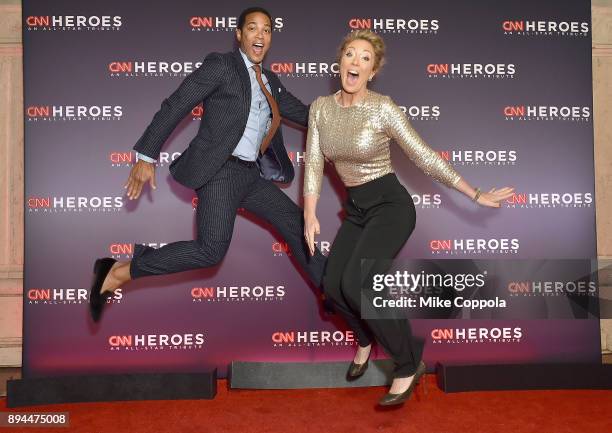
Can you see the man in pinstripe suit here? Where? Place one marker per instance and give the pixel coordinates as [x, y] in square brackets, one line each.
[229, 163]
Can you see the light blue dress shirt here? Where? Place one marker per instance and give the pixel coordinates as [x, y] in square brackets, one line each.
[258, 121]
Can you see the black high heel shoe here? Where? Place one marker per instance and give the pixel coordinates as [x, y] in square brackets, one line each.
[355, 371]
[390, 399]
[97, 300]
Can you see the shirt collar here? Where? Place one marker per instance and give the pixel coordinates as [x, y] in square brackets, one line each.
[247, 62]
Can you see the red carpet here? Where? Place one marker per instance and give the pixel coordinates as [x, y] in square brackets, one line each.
[346, 410]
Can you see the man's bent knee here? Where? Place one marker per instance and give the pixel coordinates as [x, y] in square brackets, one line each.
[212, 252]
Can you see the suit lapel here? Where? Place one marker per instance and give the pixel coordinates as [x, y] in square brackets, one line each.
[245, 82]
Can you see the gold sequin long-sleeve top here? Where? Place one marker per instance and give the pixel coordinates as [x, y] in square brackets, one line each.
[356, 140]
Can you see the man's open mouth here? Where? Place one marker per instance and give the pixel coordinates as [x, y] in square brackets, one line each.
[258, 47]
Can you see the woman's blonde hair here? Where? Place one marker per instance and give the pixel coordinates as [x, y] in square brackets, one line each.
[374, 39]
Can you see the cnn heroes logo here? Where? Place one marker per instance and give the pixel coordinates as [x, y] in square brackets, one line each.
[73, 22]
[225, 23]
[549, 200]
[261, 293]
[305, 69]
[154, 342]
[126, 251]
[151, 68]
[470, 70]
[316, 338]
[128, 159]
[55, 113]
[474, 246]
[480, 157]
[476, 335]
[65, 296]
[551, 288]
[37, 204]
[547, 112]
[426, 26]
[545, 28]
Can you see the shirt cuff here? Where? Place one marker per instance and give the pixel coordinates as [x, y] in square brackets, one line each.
[145, 158]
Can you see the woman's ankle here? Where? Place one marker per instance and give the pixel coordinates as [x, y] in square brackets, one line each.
[363, 353]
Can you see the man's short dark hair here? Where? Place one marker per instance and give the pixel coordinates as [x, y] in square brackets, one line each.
[243, 15]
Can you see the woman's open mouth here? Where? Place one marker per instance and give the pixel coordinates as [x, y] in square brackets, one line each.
[352, 77]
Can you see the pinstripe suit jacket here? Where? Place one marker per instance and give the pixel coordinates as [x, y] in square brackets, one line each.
[222, 83]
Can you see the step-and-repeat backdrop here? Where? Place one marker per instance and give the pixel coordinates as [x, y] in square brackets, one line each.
[503, 91]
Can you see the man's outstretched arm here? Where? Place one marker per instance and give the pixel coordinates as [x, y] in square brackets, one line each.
[193, 90]
[290, 107]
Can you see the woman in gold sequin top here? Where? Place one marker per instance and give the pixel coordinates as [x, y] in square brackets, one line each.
[353, 129]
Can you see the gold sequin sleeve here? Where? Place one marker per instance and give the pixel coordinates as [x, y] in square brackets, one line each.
[430, 162]
[313, 172]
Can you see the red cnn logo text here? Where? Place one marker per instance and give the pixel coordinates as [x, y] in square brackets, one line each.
[514, 111]
[39, 202]
[201, 22]
[519, 287]
[39, 111]
[281, 247]
[360, 23]
[117, 67]
[33, 21]
[517, 199]
[120, 340]
[121, 157]
[203, 292]
[117, 249]
[434, 68]
[442, 334]
[283, 337]
[282, 68]
[513, 26]
[39, 295]
[441, 245]
[445, 154]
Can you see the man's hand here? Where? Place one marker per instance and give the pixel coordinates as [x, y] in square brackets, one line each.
[141, 173]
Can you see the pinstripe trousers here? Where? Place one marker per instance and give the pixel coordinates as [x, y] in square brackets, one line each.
[235, 185]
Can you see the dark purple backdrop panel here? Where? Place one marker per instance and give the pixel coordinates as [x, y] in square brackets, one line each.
[75, 168]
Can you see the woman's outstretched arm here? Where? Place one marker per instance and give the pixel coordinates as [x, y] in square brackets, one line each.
[430, 162]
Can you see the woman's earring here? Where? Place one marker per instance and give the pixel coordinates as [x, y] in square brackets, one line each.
[370, 79]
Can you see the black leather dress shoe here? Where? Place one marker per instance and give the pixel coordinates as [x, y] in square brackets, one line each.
[390, 399]
[97, 300]
[356, 370]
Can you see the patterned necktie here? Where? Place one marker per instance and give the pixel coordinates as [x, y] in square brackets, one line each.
[276, 117]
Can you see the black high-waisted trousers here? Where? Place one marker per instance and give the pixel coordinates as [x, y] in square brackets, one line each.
[380, 217]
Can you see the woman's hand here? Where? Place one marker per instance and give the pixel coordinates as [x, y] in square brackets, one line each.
[311, 228]
[494, 197]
